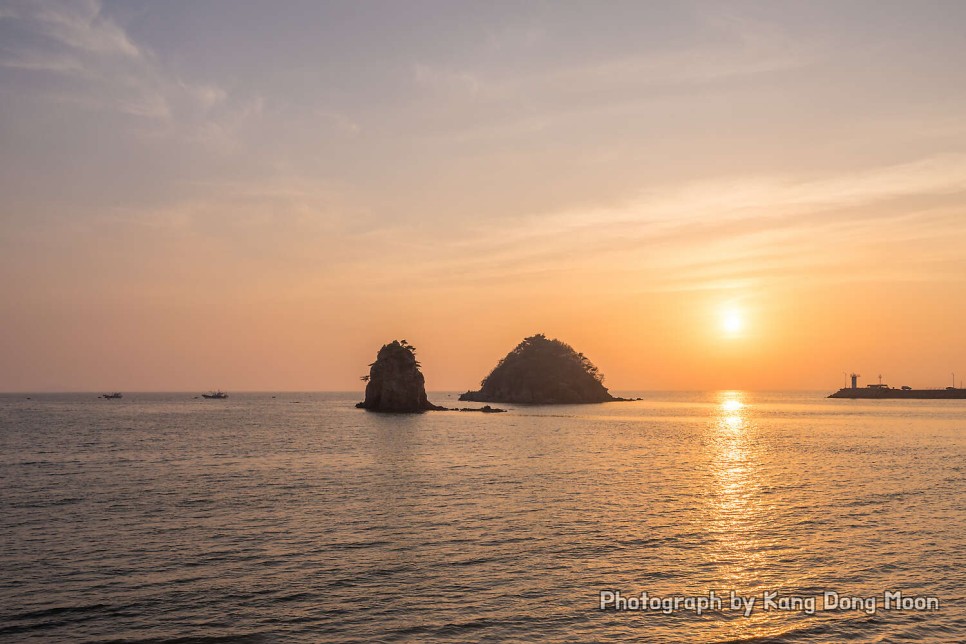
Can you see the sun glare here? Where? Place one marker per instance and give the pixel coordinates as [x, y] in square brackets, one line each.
[732, 322]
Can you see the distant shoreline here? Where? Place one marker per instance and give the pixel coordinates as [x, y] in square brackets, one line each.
[195, 392]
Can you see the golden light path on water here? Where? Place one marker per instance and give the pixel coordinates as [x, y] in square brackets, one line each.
[736, 515]
[733, 474]
[743, 518]
[319, 521]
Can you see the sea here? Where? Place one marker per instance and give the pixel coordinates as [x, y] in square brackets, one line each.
[294, 517]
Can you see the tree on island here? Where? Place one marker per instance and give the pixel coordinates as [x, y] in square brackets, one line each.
[394, 383]
[542, 371]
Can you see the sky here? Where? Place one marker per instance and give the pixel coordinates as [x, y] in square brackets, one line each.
[257, 196]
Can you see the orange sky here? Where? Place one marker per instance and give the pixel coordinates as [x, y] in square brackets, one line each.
[260, 201]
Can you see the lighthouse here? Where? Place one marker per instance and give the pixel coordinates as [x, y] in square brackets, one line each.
[855, 381]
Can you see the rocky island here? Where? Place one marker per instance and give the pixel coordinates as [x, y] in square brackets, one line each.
[394, 383]
[544, 372]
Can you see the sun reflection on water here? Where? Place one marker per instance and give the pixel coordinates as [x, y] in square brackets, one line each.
[735, 517]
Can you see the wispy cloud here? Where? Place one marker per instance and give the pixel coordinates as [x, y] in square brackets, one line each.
[64, 37]
[81, 25]
[741, 48]
[735, 47]
[728, 233]
[93, 63]
[503, 101]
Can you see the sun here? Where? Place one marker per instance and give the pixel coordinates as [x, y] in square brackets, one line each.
[732, 322]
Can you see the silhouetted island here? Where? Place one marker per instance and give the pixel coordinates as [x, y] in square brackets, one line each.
[543, 372]
[394, 383]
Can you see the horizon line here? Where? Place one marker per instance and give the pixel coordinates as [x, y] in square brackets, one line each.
[361, 392]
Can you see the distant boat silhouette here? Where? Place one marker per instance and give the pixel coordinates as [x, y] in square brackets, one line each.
[215, 394]
[116, 394]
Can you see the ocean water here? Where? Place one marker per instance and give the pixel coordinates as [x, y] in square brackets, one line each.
[293, 517]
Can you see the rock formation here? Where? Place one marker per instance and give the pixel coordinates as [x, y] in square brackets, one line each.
[545, 372]
[395, 383]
